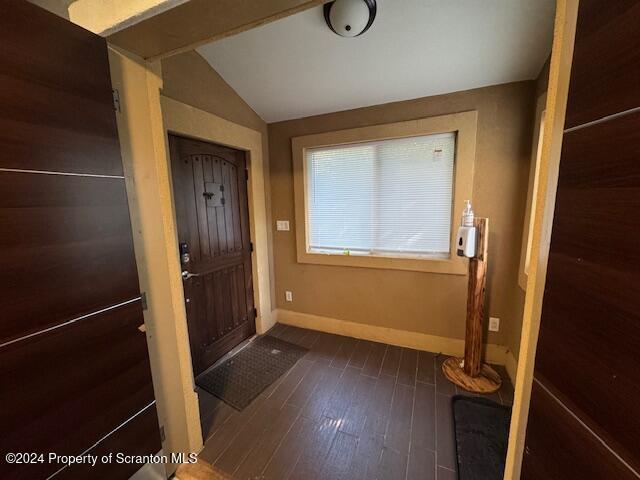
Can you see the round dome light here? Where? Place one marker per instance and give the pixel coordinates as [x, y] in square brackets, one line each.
[350, 18]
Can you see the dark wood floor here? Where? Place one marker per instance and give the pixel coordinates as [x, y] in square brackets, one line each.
[350, 409]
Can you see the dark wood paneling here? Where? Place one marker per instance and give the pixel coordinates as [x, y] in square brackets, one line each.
[132, 439]
[64, 390]
[66, 252]
[605, 76]
[56, 107]
[598, 194]
[587, 352]
[589, 341]
[65, 249]
[558, 447]
[220, 301]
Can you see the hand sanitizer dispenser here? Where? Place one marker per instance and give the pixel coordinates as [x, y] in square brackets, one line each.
[466, 241]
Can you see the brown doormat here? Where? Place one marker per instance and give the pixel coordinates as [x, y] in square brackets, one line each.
[249, 372]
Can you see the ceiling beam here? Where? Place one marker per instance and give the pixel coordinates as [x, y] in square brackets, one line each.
[197, 22]
[105, 17]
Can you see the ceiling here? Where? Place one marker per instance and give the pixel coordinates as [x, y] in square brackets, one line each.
[297, 67]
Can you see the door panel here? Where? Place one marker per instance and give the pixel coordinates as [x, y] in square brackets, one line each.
[584, 421]
[560, 448]
[56, 104]
[590, 338]
[71, 386]
[67, 249]
[210, 193]
[605, 75]
[74, 364]
[132, 438]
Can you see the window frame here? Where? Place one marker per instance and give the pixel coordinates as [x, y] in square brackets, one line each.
[464, 124]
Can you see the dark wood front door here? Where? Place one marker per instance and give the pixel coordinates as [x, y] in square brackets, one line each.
[210, 193]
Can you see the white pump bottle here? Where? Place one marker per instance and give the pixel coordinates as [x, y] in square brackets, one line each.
[466, 240]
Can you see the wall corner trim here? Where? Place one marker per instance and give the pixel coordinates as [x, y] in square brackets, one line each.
[496, 354]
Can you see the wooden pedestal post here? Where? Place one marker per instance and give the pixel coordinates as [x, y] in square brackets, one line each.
[470, 373]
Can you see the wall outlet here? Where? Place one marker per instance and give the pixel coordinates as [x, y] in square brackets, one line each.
[288, 296]
[494, 324]
[282, 225]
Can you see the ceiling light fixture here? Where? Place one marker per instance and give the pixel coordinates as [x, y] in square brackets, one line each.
[350, 18]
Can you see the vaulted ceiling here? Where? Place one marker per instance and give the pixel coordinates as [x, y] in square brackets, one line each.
[297, 67]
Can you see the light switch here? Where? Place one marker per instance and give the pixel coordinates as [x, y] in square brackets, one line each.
[282, 225]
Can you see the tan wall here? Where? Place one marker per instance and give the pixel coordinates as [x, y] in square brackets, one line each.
[429, 303]
[188, 78]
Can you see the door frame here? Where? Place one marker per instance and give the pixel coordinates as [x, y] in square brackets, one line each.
[190, 122]
[228, 341]
[557, 93]
[144, 121]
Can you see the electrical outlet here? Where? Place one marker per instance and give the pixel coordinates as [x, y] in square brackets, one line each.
[288, 296]
[494, 324]
[282, 225]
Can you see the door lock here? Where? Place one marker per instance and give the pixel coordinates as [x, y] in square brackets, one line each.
[184, 253]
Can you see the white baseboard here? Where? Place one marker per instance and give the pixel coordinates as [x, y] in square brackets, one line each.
[496, 354]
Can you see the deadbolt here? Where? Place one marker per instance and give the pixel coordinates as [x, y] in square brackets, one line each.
[184, 253]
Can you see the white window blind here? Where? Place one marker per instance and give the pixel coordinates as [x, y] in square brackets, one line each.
[387, 198]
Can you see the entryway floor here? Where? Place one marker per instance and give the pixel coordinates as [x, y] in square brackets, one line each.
[349, 409]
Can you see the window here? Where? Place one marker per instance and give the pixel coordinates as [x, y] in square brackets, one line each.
[385, 196]
[388, 198]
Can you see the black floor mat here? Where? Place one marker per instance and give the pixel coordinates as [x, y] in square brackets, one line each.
[245, 375]
[482, 434]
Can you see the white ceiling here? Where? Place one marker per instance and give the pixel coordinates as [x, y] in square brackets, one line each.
[297, 67]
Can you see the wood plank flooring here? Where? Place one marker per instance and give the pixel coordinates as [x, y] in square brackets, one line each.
[349, 409]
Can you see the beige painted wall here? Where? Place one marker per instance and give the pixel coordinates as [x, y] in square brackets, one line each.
[189, 79]
[433, 304]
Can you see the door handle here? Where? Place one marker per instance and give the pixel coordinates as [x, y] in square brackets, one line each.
[187, 275]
